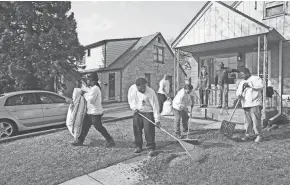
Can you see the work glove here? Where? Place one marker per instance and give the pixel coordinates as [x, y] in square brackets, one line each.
[136, 111]
[157, 124]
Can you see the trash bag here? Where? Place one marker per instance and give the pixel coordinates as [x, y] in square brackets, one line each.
[167, 108]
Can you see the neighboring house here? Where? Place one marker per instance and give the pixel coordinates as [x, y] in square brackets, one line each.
[119, 62]
[238, 35]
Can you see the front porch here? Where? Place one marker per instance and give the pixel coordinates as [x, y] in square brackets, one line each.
[244, 43]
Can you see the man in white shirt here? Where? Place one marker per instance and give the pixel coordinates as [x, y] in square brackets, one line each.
[163, 91]
[142, 99]
[250, 93]
[181, 101]
[94, 113]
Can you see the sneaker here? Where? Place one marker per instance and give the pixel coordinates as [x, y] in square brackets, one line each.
[110, 143]
[152, 152]
[185, 130]
[76, 143]
[258, 139]
[138, 150]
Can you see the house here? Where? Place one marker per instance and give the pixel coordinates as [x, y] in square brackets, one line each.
[252, 34]
[119, 62]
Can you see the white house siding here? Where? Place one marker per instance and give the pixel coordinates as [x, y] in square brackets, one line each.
[96, 58]
[116, 48]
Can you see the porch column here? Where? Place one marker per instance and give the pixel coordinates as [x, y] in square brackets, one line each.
[280, 74]
[259, 52]
[264, 77]
[177, 69]
[174, 73]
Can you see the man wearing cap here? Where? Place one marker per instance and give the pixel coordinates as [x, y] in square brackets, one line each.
[222, 83]
[250, 93]
[94, 113]
[163, 91]
[143, 100]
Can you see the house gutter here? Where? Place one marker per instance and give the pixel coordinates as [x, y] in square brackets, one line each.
[275, 118]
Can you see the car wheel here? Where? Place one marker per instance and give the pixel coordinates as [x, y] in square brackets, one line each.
[7, 128]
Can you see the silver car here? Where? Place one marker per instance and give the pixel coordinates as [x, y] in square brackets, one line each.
[27, 110]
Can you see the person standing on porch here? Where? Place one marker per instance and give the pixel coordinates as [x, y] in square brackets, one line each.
[250, 93]
[94, 113]
[180, 104]
[203, 86]
[163, 91]
[222, 83]
[142, 99]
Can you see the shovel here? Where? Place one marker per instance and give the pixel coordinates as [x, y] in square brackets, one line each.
[187, 139]
[193, 151]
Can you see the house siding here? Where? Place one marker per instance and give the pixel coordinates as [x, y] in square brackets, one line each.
[96, 59]
[116, 49]
[144, 63]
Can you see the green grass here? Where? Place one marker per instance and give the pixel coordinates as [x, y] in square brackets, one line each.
[50, 159]
[226, 162]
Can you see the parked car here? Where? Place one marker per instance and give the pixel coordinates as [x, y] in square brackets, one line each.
[27, 110]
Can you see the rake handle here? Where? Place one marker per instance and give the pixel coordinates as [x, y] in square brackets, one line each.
[158, 127]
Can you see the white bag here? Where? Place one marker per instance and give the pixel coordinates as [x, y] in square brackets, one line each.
[167, 108]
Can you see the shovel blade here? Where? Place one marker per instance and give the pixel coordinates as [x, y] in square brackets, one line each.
[193, 151]
[227, 128]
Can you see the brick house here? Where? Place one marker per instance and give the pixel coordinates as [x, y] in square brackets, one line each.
[119, 62]
[252, 34]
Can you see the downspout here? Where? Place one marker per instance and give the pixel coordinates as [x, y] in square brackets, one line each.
[276, 117]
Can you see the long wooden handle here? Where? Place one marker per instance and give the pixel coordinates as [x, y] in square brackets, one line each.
[235, 109]
[159, 127]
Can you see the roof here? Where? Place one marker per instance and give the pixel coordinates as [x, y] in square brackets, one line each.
[102, 42]
[204, 10]
[131, 53]
[26, 91]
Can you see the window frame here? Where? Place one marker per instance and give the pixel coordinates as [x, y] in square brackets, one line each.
[157, 54]
[272, 4]
[39, 93]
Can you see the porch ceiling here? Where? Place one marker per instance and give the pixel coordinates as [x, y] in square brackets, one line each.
[223, 45]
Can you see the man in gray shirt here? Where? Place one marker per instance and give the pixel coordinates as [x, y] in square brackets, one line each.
[222, 83]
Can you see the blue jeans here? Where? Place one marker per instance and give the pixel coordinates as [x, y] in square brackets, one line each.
[178, 116]
[253, 124]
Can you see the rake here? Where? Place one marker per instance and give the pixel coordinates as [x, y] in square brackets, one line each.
[193, 151]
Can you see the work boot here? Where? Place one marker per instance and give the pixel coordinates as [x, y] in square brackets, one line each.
[138, 150]
[110, 143]
[258, 139]
[152, 152]
[76, 143]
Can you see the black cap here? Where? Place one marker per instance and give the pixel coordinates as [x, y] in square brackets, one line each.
[141, 81]
[244, 70]
[93, 77]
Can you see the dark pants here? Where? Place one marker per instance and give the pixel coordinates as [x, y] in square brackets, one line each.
[178, 116]
[223, 95]
[203, 94]
[149, 129]
[161, 99]
[95, 120]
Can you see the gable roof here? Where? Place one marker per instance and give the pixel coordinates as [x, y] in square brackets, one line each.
[191, 32]
[102, 42]
[131, 53]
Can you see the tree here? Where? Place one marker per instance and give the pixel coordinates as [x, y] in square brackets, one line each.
[38, 42]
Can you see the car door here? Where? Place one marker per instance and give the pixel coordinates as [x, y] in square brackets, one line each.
[54, 107]
[25, 109]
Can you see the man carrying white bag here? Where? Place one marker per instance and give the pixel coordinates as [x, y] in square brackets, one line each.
[167, 108]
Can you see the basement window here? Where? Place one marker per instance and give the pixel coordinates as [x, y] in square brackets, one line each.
[274, 9]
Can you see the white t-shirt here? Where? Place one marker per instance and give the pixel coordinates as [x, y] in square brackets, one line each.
[164, 87]
[94, 101]
[181, 100]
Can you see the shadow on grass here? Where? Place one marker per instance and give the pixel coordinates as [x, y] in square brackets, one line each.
[278, 136]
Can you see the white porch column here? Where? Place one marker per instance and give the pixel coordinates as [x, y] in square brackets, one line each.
[280, 74]
[264, 77]
[259, 52]
[174, 73]
[177, 70]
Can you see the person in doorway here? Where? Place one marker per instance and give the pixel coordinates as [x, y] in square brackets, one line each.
[222, 83]
[94, 113]
[203, 86]
[163, 91]
[250, 93]
[180, 104]
[143, 100]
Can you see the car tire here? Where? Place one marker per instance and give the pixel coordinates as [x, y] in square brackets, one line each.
[7, 128]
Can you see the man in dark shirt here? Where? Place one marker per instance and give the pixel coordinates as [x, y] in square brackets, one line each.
[222, 83]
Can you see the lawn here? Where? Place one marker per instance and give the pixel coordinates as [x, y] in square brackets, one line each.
[226, 162]
[50, 159]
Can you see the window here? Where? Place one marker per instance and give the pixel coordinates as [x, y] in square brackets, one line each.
[158, 54]
[274, 8]
[252, 62]
[148, 78]
[159, 40]
[22, 99]
[89, 52]
[47, 98]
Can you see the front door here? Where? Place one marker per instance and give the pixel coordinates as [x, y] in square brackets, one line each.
[112, 77]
